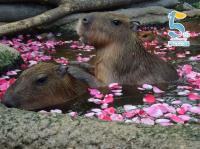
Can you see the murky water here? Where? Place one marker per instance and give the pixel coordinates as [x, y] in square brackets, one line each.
[134, 96]
[155, 41]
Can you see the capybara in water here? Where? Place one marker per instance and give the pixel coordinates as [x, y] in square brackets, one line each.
[120, 55]
[46, 86]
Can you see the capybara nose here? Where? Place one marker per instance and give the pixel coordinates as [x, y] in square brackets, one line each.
[9, 102]
[85, 20]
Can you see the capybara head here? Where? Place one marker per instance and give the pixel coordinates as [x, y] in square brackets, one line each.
[101, 29]
[42, 86]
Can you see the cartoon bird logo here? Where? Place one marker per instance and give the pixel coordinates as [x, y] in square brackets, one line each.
[178, 26]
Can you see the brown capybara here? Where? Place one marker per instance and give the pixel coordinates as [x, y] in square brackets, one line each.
[48, 86]
[120, 55]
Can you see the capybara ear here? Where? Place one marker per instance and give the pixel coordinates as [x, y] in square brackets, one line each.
[62, 69]
[134, 25]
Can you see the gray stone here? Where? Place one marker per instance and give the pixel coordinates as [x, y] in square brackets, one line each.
[163, 3]
[157, 14]
[15, 12]
[146, 15]
[30, 130]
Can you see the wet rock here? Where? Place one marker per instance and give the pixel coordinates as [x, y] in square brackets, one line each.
[9, 58]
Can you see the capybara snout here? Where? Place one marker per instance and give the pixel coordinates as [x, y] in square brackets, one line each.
[44, 85]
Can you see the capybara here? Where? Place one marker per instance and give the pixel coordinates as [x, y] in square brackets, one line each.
[48, 86]
[120, 55]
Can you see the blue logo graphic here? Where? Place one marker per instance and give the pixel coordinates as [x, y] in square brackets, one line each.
[177, 39]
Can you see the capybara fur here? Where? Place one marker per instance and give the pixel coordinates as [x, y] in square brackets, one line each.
[120, 55]
[48, 86]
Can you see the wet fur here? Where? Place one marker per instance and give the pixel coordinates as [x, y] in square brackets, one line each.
[61, 90]
[120, 55]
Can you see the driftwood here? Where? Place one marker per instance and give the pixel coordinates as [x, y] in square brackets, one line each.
[22, 129]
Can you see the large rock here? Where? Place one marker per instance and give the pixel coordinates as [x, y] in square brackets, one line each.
[15, 12]
[145, 15]
[164, 3]
[21, 129]
[9, 58]
[157, 14]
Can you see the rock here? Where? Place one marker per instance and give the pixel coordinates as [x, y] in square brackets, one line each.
[158, 15]
[23, 129]
[9, 58]
[164, 3]
[15, 12]
[187, 6]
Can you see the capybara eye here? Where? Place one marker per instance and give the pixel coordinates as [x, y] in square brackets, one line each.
[41, 80]
[145, 35]
[116, 22]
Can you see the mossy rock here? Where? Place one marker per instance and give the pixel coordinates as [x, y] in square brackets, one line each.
[29, 130]
[9, 58]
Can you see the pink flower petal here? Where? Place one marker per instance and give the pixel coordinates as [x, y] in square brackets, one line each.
[107, 99]
[73, 114]
[147, 121]
[95, 93]
[176, 102]
[153, 111]
[129, 107]
[131, 114]
[157, 90]
[149, 99]
[91, 114]
[181, 110]
[195, 109]
[104, 106]
[104, 117]
[11, 73]
[193, 96]
[136, 120]
[184, 117]
[94, 100]
[147, 86]
[56, 111]
[162, 120]
[110, 110]
[115, 86]
[117, 117]
[176, 119]
[96, 110]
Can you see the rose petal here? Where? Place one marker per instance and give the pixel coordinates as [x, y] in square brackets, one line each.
[157, 90]
[149, 99]
[193, 96]
[147, 121]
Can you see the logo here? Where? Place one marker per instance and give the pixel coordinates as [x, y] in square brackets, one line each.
[178, 39]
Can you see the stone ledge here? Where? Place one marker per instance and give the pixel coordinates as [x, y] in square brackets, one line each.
[23, 129]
